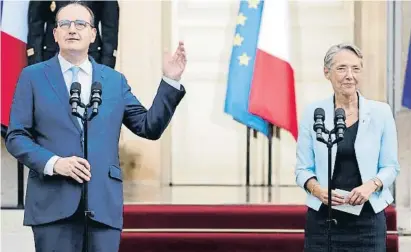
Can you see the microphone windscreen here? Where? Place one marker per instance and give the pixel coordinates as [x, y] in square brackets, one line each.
[96, 87]
[340, 113]
[75, 87]
[319, 112]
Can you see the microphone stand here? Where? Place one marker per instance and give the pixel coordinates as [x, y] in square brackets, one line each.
[329, 143]
[87, 213]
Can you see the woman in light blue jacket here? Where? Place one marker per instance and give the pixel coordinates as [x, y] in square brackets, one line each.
[364, 164]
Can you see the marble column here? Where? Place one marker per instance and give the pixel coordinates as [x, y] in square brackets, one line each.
[370, 34]
[144, 35]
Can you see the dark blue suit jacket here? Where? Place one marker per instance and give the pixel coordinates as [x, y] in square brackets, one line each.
[41, 125]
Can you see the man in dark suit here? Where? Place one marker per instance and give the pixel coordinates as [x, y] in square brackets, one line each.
[49, 140]
[41, 45]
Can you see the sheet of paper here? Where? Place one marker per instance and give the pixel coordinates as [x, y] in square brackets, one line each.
[356, 210]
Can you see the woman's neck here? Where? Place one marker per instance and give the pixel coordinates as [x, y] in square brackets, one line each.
[347, 102]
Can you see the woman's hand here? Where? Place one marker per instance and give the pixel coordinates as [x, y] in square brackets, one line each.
[361, 194]
[322, 194]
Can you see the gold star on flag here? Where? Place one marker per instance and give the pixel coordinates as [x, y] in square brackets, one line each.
[253, 4]
[238, 40]
[241, 19]
[244, 59]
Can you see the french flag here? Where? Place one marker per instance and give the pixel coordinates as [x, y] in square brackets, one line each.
[272, 95]
[260, 88]
[13, 51]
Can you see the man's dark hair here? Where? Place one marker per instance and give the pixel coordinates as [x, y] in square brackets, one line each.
[81, 4]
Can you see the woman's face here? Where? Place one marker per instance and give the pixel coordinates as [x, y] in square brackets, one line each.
[345, 72]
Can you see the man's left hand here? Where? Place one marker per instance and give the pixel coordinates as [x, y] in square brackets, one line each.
[361, 194]
[174, 65]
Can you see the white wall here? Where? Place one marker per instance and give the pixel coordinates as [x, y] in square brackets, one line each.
[207, 145]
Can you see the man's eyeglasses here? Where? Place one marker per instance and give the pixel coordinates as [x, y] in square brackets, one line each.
[79, 24]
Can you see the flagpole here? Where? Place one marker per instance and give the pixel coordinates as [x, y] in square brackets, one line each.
[272, 131]
[277, 164]
[247, 168]
[270, 144]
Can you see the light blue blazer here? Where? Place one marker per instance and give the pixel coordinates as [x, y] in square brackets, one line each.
[375, 148]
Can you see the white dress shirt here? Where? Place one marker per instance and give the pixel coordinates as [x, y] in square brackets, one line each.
[85, 76]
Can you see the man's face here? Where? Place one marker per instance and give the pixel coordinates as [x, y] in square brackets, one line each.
[345, 73]
[74, 36]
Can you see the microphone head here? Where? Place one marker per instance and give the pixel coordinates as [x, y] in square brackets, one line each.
[96, 87]
[340, 114]
[75, 88]
[319, 113]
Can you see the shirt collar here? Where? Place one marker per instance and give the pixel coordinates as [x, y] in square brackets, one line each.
[65, 65]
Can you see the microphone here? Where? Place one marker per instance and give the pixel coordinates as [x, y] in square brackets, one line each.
[75, 101]
[319, 117]
[96, 92]
[339, 122]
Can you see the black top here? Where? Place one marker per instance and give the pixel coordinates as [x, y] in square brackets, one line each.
[346, 174]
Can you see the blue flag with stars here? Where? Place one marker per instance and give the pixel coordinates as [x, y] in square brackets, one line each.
[1, 11]
[406, 95]
[242, 66]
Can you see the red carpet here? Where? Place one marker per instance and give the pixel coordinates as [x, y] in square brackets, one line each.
[219, 217]
[223, 216]
[220, 242]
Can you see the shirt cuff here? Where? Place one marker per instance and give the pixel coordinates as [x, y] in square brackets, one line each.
[302, 178]
[172, 82]
[49, 168]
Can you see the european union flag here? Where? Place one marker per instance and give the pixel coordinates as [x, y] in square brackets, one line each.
[242, 66]
[1, 10]
[406, 95]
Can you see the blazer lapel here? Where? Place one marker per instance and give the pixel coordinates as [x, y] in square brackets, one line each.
[363, 124]
[56, 80]
[364, 119]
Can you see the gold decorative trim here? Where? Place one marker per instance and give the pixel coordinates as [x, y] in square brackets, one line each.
[30, 52]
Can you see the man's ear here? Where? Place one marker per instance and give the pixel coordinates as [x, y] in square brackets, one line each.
[54, 34]
[93, 35]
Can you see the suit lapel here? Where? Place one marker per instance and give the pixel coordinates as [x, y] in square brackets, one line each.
[56, 80]
[98, 71]
[98, 76]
